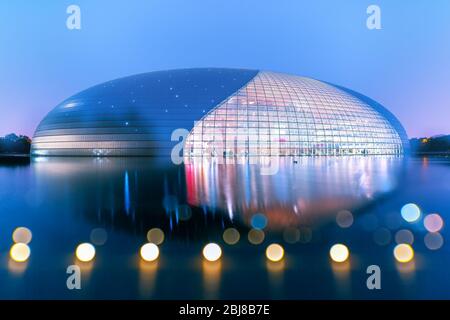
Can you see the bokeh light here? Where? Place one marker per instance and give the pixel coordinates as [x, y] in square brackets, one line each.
[291, 235]
[212, 252]
[156, 236]
[149, 252]
[382, 236]
[85, 252]
[274, 252]
[403, 253]
[259, 221]
[344, 219]
[410, 212]
[184, 212]
[22, 235]
[305, 234]
[98, 236]
[433, 240]
[433, 222]
[369, 222]
[20, 252]
[256, 236]
[404, 236]
[393, 220]
[231, 236]
[339, 252]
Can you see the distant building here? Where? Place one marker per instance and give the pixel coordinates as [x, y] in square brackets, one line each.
[228, 112]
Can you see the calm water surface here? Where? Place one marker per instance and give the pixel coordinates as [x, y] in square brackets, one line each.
[61, 200]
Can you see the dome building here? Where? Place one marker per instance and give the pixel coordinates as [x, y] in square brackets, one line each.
[228, 112]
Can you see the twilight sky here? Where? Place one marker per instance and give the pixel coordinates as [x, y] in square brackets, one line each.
[405, 66]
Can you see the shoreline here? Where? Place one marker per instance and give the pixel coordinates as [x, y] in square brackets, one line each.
[12, 158]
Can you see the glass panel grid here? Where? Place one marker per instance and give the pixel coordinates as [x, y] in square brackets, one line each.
[278, 114]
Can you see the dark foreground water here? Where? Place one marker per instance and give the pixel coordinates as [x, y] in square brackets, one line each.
[61, 200]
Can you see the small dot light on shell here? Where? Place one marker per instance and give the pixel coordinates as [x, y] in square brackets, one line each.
[85, 252]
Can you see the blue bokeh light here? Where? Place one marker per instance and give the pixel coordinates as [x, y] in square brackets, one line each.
[411, 212]
[259, 221]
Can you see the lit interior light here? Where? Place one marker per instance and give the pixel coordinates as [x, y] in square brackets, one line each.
[85, 252]
[339, 253]
[212, 252]
[433, 222]
[149, 252]
[22, 235]
[274, 252]
[403, 253]
[256, 236]
[231, 236]
[155, 236]
[20, 252]
[410, 212]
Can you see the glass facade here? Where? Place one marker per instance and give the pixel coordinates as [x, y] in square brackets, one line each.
[136, 115]
[279, 114]
[227, 112]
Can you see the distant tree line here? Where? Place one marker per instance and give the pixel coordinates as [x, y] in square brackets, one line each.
[14, 144]
[438, 144]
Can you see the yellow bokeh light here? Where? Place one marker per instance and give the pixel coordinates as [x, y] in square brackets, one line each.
[20, 252]
[256, 236]
[403, 253]
[339, 253]
[155, 236]
[85, 252]
[274, 252]
[231, 236]
[22, 235]
[149, 252]
[212, 252]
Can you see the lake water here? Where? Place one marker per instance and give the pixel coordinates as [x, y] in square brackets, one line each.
[62, 200]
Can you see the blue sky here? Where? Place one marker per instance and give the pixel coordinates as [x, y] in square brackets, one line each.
[405, 65]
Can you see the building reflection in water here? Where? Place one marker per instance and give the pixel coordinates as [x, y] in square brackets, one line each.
[211, 271]
[202, 196]
[147, 277]
[302, 192]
